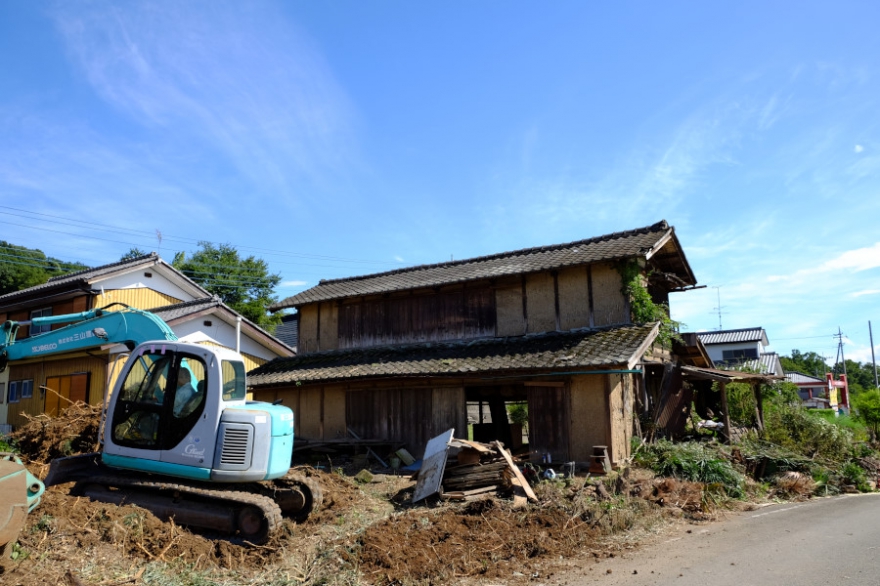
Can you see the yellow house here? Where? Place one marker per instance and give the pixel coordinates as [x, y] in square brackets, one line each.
[147, 282]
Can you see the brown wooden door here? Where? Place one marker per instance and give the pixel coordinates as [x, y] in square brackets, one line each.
[62, 391]
[549, 416]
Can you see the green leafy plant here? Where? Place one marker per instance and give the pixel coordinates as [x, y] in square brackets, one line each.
[642, 307]
[694, 462]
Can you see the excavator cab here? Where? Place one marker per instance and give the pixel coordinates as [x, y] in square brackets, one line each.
[180, 410]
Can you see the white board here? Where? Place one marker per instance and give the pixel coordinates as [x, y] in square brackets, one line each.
[433, 465]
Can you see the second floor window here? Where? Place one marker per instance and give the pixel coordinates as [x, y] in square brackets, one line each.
[45, 312]
[743, 354]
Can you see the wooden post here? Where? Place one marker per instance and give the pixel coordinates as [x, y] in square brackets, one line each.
[727, 430]
[759, 405]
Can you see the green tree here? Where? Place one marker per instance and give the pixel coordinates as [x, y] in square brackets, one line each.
[805, 362]
[22, 267]
[132, 253]
[867, 410]
[244, 284]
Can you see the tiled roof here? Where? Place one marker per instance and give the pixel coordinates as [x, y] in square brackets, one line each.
[178, 310]
[733, 336]
[767, 363]
[288, 330]
[79, 279]
[629, 244]
[555, 351]
[108, 269]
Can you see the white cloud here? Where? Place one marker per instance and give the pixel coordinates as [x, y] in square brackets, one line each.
[399, 259]
[858, 148]
[866, 292]
[294, 284]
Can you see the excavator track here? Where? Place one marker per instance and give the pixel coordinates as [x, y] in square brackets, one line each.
[243, 516]
[297, 495]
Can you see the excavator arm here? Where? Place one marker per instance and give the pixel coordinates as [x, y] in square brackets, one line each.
[91, 329]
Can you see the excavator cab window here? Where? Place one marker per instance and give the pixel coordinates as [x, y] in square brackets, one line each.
[160, 400]
[234, 385]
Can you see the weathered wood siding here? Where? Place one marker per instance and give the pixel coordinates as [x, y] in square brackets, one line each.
[447, 315]
[408, 416]
[589, 416]
[540, 303]
[40, 372]
[510, 313]
[574, 298]
[308, 329]
[619, 389]
[609, 305]
[549, 409]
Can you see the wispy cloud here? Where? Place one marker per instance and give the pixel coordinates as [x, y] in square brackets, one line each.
[224, 75]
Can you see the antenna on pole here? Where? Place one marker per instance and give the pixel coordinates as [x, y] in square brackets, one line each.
[718, 309]
[840, 358]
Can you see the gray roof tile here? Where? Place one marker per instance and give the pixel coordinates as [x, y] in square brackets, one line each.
[555, 351]
[629, 244]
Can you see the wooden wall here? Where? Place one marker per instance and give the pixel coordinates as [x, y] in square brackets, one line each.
[571, 298]
[566, 418]
[39, 372]
[75, 305]
[405, 415]
[447, 315]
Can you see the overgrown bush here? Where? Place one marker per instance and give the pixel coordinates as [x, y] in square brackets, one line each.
[794, 428]
[694, 462]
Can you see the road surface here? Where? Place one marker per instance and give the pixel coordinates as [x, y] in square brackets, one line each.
[828, 542]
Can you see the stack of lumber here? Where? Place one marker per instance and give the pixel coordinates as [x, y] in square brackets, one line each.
[481, 469]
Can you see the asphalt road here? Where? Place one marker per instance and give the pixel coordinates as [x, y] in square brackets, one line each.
[829, 541]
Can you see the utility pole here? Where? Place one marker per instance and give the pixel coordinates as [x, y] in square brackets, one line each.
[840, 356]
[718, 309]
[873, 361]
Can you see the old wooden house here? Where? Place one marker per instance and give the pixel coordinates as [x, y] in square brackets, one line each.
[147, 282]
[401, 356]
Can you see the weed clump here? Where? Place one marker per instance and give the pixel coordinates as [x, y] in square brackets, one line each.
[693, 462]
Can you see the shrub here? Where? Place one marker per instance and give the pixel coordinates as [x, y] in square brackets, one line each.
[694, 462]
[794, 428]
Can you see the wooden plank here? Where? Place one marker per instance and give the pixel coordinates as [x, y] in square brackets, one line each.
[433, 464]
[517, 474]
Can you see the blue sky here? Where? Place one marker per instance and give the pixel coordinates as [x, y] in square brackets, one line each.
[337, 139]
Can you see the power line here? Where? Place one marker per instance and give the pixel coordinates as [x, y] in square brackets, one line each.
[181, 239]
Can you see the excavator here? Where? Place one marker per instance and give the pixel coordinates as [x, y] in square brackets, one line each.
[178, 435]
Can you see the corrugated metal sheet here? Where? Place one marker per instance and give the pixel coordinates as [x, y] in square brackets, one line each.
[734, 336]
[799, 378]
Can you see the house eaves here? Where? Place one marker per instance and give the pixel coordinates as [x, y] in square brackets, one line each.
[554, 353]
[212, 306]
[89, 281]
[656, 243]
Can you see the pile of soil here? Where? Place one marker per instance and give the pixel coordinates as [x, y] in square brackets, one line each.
[44, 438]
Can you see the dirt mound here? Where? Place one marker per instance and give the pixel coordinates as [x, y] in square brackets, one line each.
[44, 438]
[484, 539]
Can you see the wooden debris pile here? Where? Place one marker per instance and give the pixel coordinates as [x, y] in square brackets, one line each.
[482, 469]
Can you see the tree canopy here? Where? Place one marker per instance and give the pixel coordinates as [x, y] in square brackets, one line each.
[22, 267]
[244, 284]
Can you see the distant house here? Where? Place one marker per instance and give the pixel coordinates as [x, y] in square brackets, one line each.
[147, 282]
[742, 348]
[817, 393]
[400, 356]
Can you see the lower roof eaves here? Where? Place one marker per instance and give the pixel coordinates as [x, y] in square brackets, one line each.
[587, 349]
